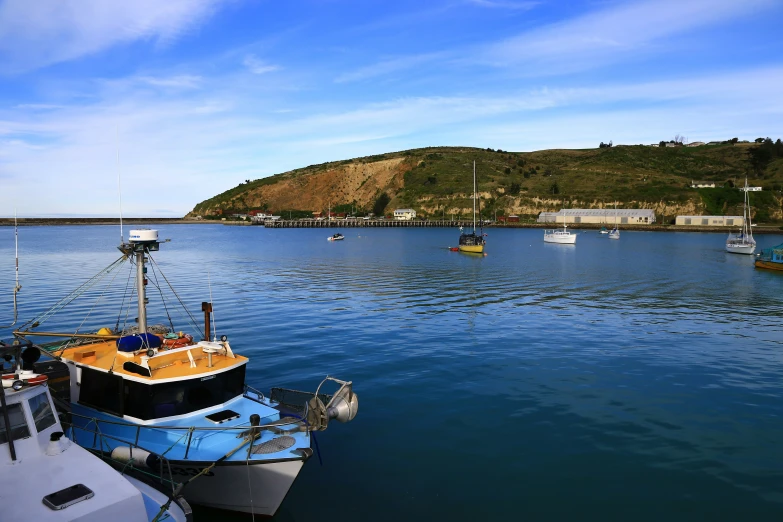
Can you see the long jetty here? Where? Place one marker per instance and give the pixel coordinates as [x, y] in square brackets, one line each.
[362, 223]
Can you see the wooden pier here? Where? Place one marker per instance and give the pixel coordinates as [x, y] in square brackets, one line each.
[363, 223]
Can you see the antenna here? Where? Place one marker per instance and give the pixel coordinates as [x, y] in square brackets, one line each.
[119, 185]
[17, 286]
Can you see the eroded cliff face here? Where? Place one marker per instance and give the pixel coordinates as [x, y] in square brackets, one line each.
[361, 182]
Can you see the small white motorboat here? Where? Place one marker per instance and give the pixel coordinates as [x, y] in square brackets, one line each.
[49, 478]
[336, 237]
[560, 236]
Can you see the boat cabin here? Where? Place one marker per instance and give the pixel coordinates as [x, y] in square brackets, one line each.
[144, 387]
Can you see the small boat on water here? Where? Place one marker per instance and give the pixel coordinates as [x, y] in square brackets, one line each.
[603, 230]
[146, 394]
[615, 233]
[46, 477]
[743, 242]
[771, 258]
[472, 243]
[560, 236]
[335, 237]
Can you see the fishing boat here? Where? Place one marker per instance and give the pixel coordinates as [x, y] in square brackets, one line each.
[335, 237]
[473, 243]
[743, 242]
[144, 393]
[560, 236]
[771, 258]
[615, 233]
[48, 478]
[603, 231]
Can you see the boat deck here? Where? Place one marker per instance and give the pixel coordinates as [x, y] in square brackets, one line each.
[166, 364]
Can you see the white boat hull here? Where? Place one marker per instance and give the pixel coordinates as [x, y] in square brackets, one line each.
[255, 488]
[614, 235]
[560, 239]
[746, 249]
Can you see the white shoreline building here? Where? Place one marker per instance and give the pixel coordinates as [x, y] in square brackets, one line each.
[602, 216]
[709, 221]
[404, 214]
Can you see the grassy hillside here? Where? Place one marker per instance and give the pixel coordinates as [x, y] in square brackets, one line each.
[438, 181]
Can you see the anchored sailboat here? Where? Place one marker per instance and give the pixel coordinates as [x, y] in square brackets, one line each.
[615, 233]
[743, 242]
[473, 243]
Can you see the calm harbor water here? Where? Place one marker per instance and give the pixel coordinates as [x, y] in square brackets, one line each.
[639, 379]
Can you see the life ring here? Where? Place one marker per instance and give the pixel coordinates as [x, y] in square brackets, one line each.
[30, 379]
[179, 342]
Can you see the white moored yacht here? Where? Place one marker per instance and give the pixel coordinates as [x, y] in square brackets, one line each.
[560, 236]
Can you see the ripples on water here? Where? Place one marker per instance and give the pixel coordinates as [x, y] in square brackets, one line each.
[630, 380]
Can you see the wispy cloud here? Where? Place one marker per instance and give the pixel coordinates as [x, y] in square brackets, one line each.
[43, 32]
[38, 106]
[612, 34]
[502, 4]
[206, 143]
[256, 66]
[388, 67]
[180, 82]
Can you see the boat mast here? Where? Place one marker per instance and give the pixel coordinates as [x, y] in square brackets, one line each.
[474, 197]
[141, 290]
[746, 209]
[140, 243]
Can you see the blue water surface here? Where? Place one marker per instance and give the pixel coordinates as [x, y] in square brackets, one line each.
[638, 379]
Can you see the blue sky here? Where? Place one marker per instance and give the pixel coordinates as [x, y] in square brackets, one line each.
[196, 96]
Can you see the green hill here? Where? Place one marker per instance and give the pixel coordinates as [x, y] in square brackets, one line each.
[437, 181]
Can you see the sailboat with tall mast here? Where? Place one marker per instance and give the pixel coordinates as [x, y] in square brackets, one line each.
[743, 242]
[615, 232]
[473, 243]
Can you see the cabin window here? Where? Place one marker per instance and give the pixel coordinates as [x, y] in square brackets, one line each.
[101, 390]
[687, 221]
[19, 429]
[624, 220]
[705, 221]
[154, 401]
[729, 222]
[577, 219]
[42, 412]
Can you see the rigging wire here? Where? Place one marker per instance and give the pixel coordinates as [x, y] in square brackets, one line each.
[65, 301]
[192, 319]
[67, 343]
[162, 298]
[122, 303]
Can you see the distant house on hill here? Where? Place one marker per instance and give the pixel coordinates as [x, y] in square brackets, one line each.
[702, 184]
[695, 144]
[751, 189]
[404, 214]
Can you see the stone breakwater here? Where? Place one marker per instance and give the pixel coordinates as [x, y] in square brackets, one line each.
[94, 221]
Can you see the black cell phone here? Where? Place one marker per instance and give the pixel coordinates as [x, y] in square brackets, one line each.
[222, 416]
[68, 496]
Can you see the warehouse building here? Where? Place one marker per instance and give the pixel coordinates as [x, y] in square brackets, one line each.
[625, 216]
[710, 221]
